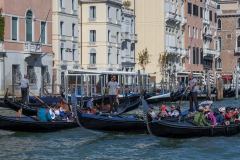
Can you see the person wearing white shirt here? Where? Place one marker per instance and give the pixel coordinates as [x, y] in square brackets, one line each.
[173, 112]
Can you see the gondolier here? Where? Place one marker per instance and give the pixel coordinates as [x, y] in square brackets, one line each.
[192, 85]
[24, 83]
[113, 93]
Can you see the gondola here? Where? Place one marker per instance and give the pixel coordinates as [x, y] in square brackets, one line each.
[186, 128]
[158, 98]
[32, 124]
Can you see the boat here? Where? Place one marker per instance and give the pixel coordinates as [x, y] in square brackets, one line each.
[185, 128]
[32, 124]
[158, 98]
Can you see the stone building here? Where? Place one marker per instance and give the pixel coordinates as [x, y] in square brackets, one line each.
[27, 46]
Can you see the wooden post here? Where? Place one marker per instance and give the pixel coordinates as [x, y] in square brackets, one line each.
[13, 90]
[236, 88]
[219, 89]
[139, 84]
[76, 86]
[208, 84]
[101, 79]
[82, 87]
[52, 85]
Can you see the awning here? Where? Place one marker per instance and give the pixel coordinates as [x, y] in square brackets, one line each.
[227, 77]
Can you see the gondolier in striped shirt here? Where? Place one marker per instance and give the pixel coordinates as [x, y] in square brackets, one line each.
[24, 83]
[192, 86]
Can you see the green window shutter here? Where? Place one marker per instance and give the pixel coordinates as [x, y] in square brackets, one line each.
[14, 28]
[43, 32]
[29, 29]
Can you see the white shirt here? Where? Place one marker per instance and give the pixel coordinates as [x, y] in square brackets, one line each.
[153, 114]
[174, 113]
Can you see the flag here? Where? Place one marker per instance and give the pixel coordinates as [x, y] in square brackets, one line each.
[176, 10]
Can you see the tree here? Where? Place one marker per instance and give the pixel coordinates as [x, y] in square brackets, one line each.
[127, 4]
[163, 61]
[2, 23]
[143, 59]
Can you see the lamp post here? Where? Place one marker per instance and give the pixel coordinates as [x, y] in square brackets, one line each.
[237, 77]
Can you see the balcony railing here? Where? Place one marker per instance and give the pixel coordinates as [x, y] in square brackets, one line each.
[109, 20]
[92, 43]
[125, 36]
[134, 38]
[173, 17]
[75, 39]
[92, 66]
[110, 67]
[237, 50]
[32, 47]
[206, 22]
[1, 45]
[74, 12]
[127, 11]
[62, 63]
[62, 37]
[119, 67]
[177, 51]
[62, 9]
[92, 19]
[74, 64]
[208, 35]
[208, 51]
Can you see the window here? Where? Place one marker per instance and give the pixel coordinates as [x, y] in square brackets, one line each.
[62, 51]
[32, 77]
[92, 35]
[73, 4]
[117, 13]
[16, 73]
[43, 32]
[220, 43]
[201, 12]
[108, 12]
[189, 31]
[73, 52]
[193, 32]
[29, 31]
[218, 6]
[218, 63]
[61, 28]
[92, 12]
[109, 32]
[196, 32]
[238, 41]
[195, 10]
[189, 8]
[201, 33]
[195, 55]
[229, 36]
[73, 30]
[210, 15]
[109, 56]
[238, 23]
[61, 3]
[92, 56]
[14, 28]
[118, 56]
[215, 17]
[117, 37]
[238, 62]
[219, 24]
[201, 54]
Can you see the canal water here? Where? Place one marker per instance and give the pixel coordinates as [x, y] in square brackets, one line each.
[80, 143]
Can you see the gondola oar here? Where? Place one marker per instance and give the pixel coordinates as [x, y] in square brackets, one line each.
[178, 106]
[39, 99]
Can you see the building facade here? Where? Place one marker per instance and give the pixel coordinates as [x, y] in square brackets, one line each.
[101, 34]
[65, 38]
[228, 37]
[27, 46]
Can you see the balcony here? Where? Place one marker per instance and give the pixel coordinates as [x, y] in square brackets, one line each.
[62, 37]
[1, 45]
[32, 47]
[184, 21]
[92, 43]
[173, 17]
[118, 22]
[127, 11]
[110, 67]
[118, 45]
[125, 36]
[134, 38]
[208, 35]
[75, 39]
[75, 64]
[185, 53]
[210, 52]
[62, 63]
[237, 50]
[206, 22]
[109, 20]
[62, 9]
[92, 66]
[109, 44]
[92, 19]
[119, 67]
[74, 12]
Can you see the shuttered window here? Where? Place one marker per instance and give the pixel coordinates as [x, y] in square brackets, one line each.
[92, 12]
[195, 10]
[210, 15]
[201, 52]
[201, 12]
[215, 17]
[14, 28]
[43, 32]
[29, 26]
[189, 8]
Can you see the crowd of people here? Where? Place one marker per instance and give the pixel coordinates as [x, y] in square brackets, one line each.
[163, 112]
[60, 111]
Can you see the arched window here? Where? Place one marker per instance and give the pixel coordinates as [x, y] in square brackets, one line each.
[238, 41]
[73, 52]
[29, 20]
[92, 56]
[62, 51]
[219, 24]
[109, 56]
[238, 23]
[219, 43]
[61, 28]
[73, 30]
[218, 63]
[238, 62]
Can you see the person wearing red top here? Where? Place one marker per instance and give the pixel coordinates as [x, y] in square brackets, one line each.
[230, 114]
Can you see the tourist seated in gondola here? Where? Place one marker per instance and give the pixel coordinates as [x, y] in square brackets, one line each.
[163, 113]
[151, 112]
[88, 111]
[230, 115]
[210, 118]
[200, 119]
[44, 115]
[173, 112]
[219, 117]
